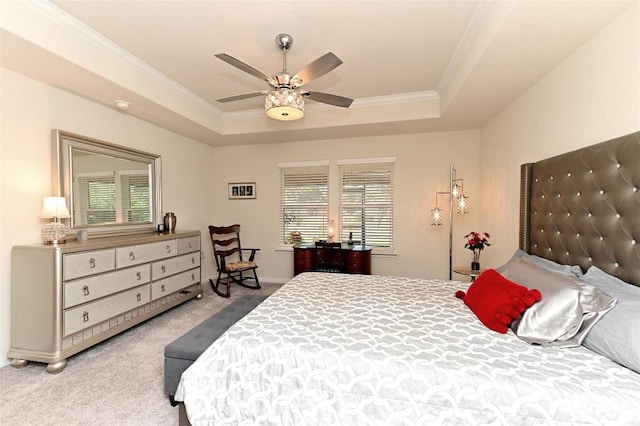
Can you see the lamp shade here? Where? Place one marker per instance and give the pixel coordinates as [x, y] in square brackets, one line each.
[436, 216]
[284, 104]
[55, 207]
[331, 229]
[462, 204]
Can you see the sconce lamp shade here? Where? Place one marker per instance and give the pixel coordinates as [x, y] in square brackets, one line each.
[284, 104]
[436, 216]
[331, 229]
[462, 204]
[455, 191]
[55, 232]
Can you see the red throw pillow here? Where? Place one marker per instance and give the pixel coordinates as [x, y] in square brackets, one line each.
[496, 301]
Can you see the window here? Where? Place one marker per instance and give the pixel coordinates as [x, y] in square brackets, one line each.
[304, 201]
[113, 197]
[366, 201]
[97, 198]
[135, 197]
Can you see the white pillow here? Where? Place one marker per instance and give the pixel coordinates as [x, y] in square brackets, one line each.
[617, 335]
[549, 265]
[568, 310]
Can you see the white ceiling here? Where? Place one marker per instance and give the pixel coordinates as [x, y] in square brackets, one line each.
[411, 66]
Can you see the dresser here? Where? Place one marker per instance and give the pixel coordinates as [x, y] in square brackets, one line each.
[66, 298]
[356, 259]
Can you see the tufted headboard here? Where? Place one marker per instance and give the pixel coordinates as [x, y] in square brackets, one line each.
[583, 207]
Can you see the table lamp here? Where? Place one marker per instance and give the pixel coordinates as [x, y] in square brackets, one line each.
[55, 232]
[331, 229]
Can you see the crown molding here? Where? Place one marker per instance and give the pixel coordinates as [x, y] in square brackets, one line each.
[81, 30]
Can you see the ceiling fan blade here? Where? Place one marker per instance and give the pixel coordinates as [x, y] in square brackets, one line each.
[327, 98]
[316, 69]
[242, 66]
[245, 96]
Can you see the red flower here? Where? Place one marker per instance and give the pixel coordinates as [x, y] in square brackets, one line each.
[477, 241]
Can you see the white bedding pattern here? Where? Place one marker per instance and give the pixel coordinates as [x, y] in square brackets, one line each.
[371, 350]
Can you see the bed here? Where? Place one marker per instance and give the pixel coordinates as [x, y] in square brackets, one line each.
[352, 349]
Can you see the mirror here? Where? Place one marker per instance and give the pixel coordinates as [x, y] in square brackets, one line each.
[110, 189]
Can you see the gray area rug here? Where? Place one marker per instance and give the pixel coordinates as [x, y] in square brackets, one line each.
[117, 382]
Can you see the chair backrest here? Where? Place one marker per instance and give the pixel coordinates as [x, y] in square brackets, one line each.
[226, 243]
[328, 256]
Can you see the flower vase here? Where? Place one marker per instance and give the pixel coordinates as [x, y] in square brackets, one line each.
[475, 264]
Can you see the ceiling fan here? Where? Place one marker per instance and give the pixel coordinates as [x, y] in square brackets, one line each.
[285, 100]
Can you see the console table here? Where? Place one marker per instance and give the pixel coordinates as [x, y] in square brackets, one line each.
[356, 259]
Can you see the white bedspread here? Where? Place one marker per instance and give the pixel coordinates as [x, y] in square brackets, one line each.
[359, 350]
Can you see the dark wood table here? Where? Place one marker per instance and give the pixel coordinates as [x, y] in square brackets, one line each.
[356, 258]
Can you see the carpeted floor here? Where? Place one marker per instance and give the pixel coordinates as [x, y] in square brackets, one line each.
[117, 382]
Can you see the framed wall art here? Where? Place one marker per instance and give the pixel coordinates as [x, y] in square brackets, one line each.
[242, 190]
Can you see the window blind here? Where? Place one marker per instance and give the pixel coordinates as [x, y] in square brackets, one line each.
[304, 202]
[97, 199]
[366, 202]
[136, 197]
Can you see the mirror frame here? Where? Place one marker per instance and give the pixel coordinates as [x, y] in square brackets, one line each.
[63, 144]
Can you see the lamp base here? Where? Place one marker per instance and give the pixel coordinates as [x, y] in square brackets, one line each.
[53, 242]
[54, 233]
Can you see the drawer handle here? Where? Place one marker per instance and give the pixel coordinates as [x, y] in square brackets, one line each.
[132, 256]
[162, 288]
[85, 316]
[163, 269]
[139, 297]
[92, 263]
[193, 260]
[138, 276]
[168, 249]
[85, 290]
[193, 277]
[189, 245]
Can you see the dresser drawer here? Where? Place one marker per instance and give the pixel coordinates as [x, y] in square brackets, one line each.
[134, 255]
[88, 289]
[93, 313]
[76, 265]
[174, 283]
[359, 262]
[188, 245]
[167, 267]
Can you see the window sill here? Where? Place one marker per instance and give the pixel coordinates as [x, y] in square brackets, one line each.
[373, 252]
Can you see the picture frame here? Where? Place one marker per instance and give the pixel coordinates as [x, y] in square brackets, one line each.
[242, 191]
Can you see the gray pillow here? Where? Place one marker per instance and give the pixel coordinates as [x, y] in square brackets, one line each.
[568, 310]
[549, 265]
[617, 335]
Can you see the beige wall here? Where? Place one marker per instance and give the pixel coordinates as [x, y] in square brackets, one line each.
[29, 111]
[592, 96]
[422, 168]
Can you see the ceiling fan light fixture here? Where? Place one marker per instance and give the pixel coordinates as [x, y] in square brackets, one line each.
[284, 104]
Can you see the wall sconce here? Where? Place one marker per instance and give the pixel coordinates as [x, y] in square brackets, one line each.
[331, 230]
[55, 232]
[461, 202]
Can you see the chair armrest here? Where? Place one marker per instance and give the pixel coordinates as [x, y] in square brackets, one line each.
[253, 253]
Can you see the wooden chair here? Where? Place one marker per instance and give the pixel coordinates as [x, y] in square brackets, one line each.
[231, 266]
[329, 257]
